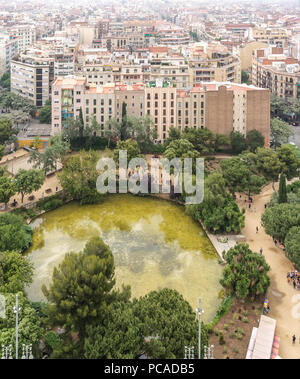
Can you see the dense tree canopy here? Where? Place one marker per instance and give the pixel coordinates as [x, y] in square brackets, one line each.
[132, 148]
[15, 235]
[245, 274]
[254, 140]
[79, 177]
[278, 220]
[6, 129]
[238, 142]
[15, 272]
[292, 245]
[289, 161]
[281, 131]
[45, 113]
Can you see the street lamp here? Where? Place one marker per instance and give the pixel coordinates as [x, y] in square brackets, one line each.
[16, 311]
[200, 312]
[189, 352]
[27, 352]
[6, 352]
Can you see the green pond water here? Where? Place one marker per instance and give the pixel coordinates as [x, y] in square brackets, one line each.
[155, 245]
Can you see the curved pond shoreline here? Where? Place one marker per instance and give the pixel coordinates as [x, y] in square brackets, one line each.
[155, 245]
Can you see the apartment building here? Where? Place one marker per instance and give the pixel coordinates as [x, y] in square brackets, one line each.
[220, 107]
[213, 62]
[274, 70]
[8, 49]
[270, 35]
[26, 35]
[63, 64]
[31, 77]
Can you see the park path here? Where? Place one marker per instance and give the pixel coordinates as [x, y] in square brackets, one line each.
[283, 299]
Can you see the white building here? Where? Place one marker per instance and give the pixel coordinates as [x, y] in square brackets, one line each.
[8, 49]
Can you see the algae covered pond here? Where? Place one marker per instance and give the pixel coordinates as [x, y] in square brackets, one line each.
[155, 245]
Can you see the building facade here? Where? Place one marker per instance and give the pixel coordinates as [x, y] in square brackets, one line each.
[220, 107]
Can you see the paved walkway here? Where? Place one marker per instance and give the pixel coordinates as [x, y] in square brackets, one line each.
[283, 299]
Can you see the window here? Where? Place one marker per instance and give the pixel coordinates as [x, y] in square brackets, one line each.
[95, 102]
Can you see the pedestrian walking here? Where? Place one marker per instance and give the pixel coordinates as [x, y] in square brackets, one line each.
[294, 284]
[261, 250]
[294, 338]
[257, 229]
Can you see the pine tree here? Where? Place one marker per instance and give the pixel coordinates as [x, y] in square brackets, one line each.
[81, 123]
[282, 195]
[124, 122]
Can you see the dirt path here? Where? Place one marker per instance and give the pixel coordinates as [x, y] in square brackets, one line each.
[283, 299]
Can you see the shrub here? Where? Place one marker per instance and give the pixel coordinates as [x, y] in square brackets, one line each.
[245, 320]
[216, 331]
[49, 203]
[239, 336]
[232, 335]
[225, 349]
[221, 339]
[241, 331]
[236, 350]
[245, 313]
[226, 327]
[52, 340]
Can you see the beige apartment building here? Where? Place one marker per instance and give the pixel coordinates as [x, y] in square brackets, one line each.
[212, 62]
[245, 53]
[270, 35]
[274, 70]
[220, 107]
[31, 77]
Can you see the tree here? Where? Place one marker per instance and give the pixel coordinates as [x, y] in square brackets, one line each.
[5, 80]
[112, 130]
[124, 124]
[254, 140]
[236, 174]
[132, 148]
[45, 113]
[28, 181]
[82, 289]
[119, 336]
[218, 211]
[245, 77]
[168, 324]
[53, 154]
[2, 151]
[79, 177]
[14, 234]
[30, 331]
[174, 134]
[7, 188]
[143, 130]
[278, 220]
[281, 131]
[238, 142]
[289, 161]
[52, 340]
[6, 130]
[81, 124]
[220, 142]
[15, 272]
[268, 164]
[202, 139]
[292, 245]
[181, 148]
[282, 190]
[245, 273]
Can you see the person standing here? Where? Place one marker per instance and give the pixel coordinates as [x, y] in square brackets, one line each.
[261, 250]
[294, 338]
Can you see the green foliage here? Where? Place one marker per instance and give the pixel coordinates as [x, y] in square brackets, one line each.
[245, 77]
[245, 274]
[202, 139]
[278, 220]
[223, 308]
[119, 336]
[28, 181]
[132, 148]
[221, 339]
[45, 113]
[282, 196]
[268, 164]
[30, 330]
[180, 148]
[238, 142]
[7, 186]
[254, 140]
[52, 340]
[2, 151]
[15, 272]
[218, 211]
[281, 131]
[168, 324]
[294, 187]
[82, 288]
[49, 203]
[289, 161]
[292, 245]
[6, 129]
[5, 80]
[174, 134]
[79, 176]
[14, 234]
